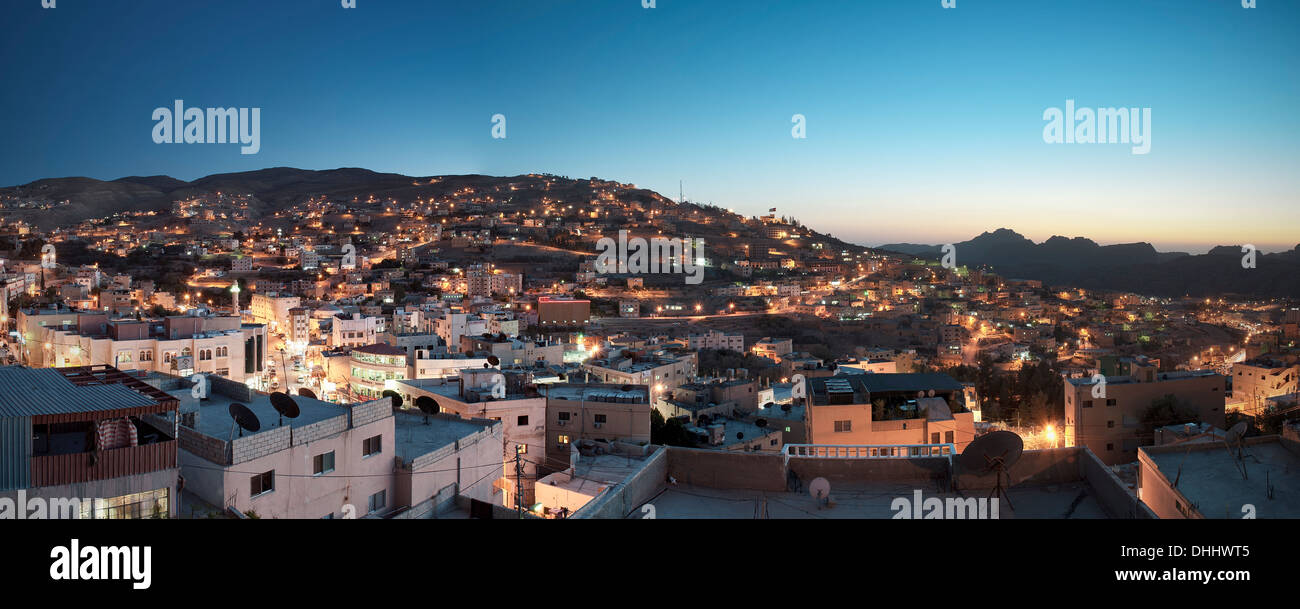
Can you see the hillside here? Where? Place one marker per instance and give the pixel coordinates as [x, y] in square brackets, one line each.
[1135, 267]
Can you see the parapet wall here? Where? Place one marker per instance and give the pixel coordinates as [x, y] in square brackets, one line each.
[619, 501]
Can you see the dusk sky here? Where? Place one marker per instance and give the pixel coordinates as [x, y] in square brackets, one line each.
[924, 124]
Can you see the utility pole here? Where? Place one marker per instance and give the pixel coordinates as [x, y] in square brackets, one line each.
[519, 483]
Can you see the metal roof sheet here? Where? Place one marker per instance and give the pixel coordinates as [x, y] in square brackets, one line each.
[28, 392]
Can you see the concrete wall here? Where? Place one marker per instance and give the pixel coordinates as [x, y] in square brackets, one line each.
[726, 470]
[1049, 466]
[1110, 491]
[934, 469]
[637, 489]
[290, 453]
[470, 466]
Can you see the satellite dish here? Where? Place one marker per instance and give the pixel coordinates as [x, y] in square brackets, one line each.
[1234, 437]
[307, 393]
[769, 405]
[284, 404]
[427, 405]
[1236, 433]
[994, 452]
[761, 423]
[820, 489]
[244, 418]
[397, 399]
[740, 435]
[626, 388]
[494, 361]
[703, 420]
[920, 394]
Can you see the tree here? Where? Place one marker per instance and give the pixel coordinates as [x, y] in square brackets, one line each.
[1167, 410]
[670, 432]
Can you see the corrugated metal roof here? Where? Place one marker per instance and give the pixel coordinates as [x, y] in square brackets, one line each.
[28, 392]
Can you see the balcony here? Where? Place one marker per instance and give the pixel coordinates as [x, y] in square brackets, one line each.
[71, 468]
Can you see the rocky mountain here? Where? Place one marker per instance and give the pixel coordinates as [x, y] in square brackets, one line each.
[1136, 267]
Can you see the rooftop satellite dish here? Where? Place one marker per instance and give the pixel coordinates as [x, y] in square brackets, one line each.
[284, 404]
[1237, 432]
[626, 388]
[307, 393]
[428, 406]
[244, 418]
[820, 489]
[397, 399]
[703, 420]
[494, 361]
[994, 452]
[920, 394]
[929, 393]
[761, 423]
[740, 435]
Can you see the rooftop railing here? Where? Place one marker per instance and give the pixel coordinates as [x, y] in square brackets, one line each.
[868, 451]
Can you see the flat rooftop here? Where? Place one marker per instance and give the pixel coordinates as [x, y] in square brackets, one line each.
[415, 439]
[1074, 500]
[594, 474]
[215, 420]
[638, 394]
[1211, 478]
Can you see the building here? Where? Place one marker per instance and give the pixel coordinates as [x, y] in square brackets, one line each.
[1257, 478]
[298, 330]
[180, 345]
[597, 412]
[508, 397]
[357, 331]
[331, 461]
[483, 280]
[661, 371]
[93, 441]
[443, 457]
[1109, 418]
[1256, 380]
[773, 349]
[562, 312]
[438, 364]
[375, 369]
[591, 475]
[714, 339]
[732, 397]
[515, 351]
[888, 409]
[674, 482]
[273, 310]
[451, 327]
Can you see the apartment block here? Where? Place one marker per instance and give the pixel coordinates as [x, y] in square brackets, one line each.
[93, 441]
[1108, 418]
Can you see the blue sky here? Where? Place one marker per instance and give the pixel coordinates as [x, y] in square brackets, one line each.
[924, 123]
